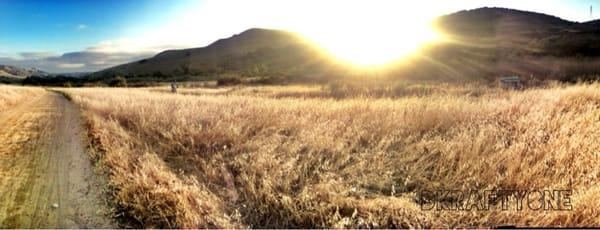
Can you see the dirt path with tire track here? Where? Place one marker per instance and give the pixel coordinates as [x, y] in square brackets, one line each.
[46, 177]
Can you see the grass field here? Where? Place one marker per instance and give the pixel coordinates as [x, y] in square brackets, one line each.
[283, 157]
[11, 95]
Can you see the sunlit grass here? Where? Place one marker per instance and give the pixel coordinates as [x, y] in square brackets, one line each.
[233, 159]
[13, 95]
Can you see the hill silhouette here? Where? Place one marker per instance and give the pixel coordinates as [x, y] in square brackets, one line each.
[254, 52]
[486, 43]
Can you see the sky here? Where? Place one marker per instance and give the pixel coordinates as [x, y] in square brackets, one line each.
[63, 36]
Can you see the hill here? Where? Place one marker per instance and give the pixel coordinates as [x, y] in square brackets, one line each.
[480, 44]
[488, 42]
[16, 72]
[254, 52]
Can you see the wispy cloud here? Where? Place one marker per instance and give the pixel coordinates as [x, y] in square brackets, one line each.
[83, 61]
[127, 45]
[36, 55]
[93, 58]
[82, 27]
[71, 65]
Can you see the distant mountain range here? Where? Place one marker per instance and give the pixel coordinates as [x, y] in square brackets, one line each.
[16, 72]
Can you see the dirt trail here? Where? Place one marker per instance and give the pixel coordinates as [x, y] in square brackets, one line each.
[46, 177]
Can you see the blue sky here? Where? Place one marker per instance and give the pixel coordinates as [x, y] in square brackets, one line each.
[63, 25]
[52, 35]
[70, 36]
[38, 25]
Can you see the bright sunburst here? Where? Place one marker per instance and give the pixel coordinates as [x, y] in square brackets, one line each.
[373, 48]
[362, 33]
[376, 34]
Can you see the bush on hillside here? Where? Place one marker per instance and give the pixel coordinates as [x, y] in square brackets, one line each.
[118, 82]
[229, 80]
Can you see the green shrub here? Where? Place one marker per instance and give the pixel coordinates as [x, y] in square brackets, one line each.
[229, 80]
[119, 81]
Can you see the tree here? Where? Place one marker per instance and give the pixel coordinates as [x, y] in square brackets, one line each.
[158, 74]
[119, 81]
[229, 80]
[185, 69]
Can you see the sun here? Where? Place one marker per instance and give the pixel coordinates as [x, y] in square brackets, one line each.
[373, 35]
[378, 46]
[374, 48]
[361, 33]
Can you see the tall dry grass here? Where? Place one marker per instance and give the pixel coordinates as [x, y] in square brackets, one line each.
[256, 161]
[13, 95]
[306, 91]
[340, 90]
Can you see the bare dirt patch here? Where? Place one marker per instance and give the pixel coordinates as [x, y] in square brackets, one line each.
[47, 179]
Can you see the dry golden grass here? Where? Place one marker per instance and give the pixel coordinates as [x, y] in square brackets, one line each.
[212, 160]
[13, 95]
[264, 91]
[351, 89]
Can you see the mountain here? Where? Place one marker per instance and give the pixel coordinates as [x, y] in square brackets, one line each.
[71, 74]
[478, 44]
[523, 32]
[16, 72]
[486, 43]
